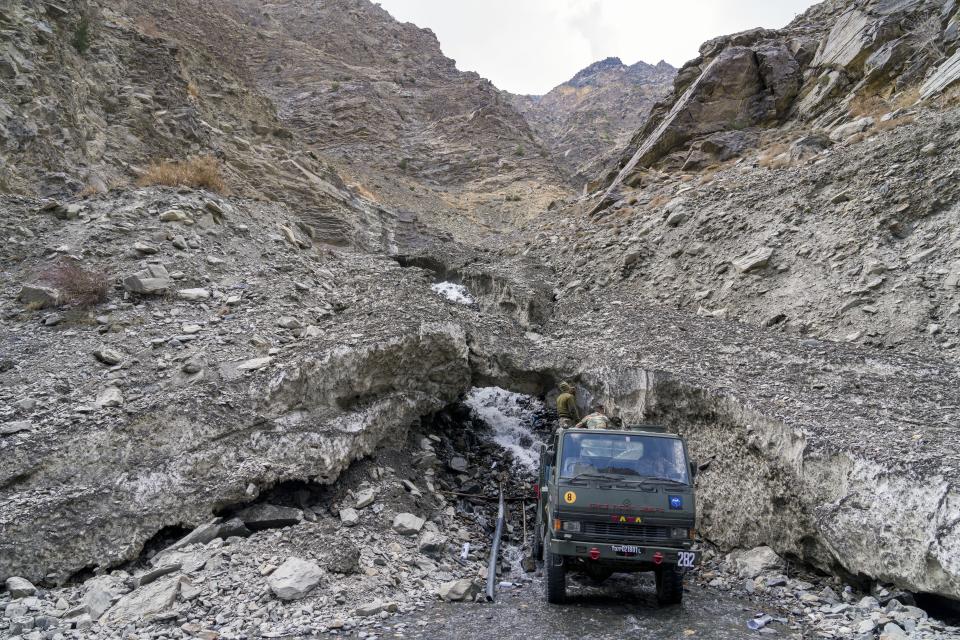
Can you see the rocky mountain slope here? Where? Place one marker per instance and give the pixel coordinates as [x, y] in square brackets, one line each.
[593, 114]
[771, 270]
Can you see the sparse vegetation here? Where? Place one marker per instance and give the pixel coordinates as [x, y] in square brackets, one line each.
[200, 172]
[193, 90]
[79, 286]
[513, 198]
[335, 87]
[403, 164]
[81, 35]
[518, 151]
[90, 190]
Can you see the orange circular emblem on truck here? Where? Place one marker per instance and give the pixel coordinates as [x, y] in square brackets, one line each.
[570, 497]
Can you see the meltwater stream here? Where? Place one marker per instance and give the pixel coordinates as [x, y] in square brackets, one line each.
[511, 416]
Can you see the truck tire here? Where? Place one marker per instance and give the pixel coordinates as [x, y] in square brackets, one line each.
[669, 586]
[554, 574]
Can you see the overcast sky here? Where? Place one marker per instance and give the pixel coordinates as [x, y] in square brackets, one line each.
[530, 46]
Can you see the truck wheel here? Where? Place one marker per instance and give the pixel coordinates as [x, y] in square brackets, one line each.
[669, 586]
[554, 574]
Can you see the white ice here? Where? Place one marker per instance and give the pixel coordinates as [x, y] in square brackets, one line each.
[453, 292]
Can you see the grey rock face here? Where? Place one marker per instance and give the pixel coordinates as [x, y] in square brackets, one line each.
[294, 579]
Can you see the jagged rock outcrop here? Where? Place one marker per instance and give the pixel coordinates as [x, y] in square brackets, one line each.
[832, 59]
[593, 114]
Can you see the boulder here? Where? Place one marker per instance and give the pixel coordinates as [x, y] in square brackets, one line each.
[201, 535]
[781, 75]
[150, 281]
[349, 517]
[369, 609]
[342, 556]
[294, 579]
[145, 602]
[755, 260]
[750, 564]
[432, 544]
[99, 595]
[109, 396]
[193, 294]
[20, 587]
[365, 498]
[844, 131]
[729, 94]
[458, 590]
[39, 296]
[108, 356]
[269, 516]
[407, 524]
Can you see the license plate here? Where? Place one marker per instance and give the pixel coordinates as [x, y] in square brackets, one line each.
[626, 549]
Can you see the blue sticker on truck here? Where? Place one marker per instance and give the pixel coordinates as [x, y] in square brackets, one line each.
[676, 502]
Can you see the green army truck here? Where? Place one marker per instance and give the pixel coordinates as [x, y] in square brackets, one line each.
[616, 501]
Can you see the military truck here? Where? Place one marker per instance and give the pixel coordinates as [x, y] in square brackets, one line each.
[616, 501]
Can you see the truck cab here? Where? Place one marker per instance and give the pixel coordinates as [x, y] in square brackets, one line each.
[616, 501]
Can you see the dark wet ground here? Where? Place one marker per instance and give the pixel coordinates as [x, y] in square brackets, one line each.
[623, 608]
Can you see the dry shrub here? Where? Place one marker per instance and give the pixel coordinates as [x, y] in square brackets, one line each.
[90, 190]
[79, 286]
[148, 27]
[200, 172]
[872, 106]
[773, 156]
[659, 200]
[893, 123]
[193, 90]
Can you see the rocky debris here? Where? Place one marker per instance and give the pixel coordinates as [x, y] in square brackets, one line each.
[407, 524]
[294, 579]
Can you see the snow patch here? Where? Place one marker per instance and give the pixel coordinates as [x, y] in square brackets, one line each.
[510, 415]
[453, 292]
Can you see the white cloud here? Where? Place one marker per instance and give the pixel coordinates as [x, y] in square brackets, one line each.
[530, 46]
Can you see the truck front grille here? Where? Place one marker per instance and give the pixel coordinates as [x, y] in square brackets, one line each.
[626, 531]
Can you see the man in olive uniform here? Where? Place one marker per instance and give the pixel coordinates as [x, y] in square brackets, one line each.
[567, 406]
[596, 420]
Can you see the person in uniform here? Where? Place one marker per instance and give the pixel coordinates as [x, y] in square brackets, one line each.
[567, 406]
[596, 420]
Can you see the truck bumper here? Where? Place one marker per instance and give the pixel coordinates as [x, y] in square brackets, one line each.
[625, 553]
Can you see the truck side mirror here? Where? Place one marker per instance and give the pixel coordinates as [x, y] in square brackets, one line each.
[693, 469]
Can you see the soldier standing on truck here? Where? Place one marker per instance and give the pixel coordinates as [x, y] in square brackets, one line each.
[567, 406]
[596, 420]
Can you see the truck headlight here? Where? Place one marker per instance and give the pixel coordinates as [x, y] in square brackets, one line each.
[573, 527]
[678, 532]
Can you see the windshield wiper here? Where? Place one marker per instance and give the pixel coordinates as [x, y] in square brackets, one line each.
[595, 476]
[659, 479]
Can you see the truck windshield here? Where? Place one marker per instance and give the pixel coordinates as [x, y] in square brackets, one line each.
[623, 454]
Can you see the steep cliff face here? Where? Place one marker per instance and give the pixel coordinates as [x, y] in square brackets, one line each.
[591, 116]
